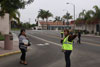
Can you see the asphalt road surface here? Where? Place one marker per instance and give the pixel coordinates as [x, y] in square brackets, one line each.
[46, 52]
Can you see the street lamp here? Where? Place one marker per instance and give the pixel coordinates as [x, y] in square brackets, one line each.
[74, 11]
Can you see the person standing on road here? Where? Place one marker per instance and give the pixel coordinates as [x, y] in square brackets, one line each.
[62, 35]
[62, 32]
[79, 37]
[67, 46]
[23, 44]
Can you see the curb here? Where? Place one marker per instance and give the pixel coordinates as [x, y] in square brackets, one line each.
[10, 53]
[91, 36]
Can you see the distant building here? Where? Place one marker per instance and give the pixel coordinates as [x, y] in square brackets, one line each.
[93, 27]
[50, 25]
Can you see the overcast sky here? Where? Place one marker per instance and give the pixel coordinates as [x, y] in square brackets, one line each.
[56, 7]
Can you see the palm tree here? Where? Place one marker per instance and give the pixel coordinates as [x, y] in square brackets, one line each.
[57, 18]
[15, 15]
[89, 16]
[47, 15]
[43, 14]
[8, 6]
[67, 17]
[11, 7]
[97, 13]
[82, 14]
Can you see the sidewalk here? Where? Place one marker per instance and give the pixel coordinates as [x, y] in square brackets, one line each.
[9, 52]
[90, 35]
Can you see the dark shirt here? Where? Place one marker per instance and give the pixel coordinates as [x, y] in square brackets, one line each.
[79, 34]
[71, 37]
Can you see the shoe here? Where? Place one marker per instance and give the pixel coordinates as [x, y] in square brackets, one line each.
[25, 63]
[21, 62]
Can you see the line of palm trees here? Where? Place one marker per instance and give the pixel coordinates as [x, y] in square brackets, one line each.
[44, 15]
[90, 16]
[86, 17]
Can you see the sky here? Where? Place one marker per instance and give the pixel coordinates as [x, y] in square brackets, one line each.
[56, 7]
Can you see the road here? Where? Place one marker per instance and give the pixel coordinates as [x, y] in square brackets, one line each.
[46, 52]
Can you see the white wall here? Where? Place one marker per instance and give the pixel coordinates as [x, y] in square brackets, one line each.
[90, 27]
[4, 24]
[80, 27]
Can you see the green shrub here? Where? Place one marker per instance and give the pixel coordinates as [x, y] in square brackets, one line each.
[96, 33]
[1, 37]
[92, 32]
[82, 31]
[15, 29]
[86, 32]
[99, 33]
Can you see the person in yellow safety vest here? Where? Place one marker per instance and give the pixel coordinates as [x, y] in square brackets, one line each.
[62, 32]
[67, 46]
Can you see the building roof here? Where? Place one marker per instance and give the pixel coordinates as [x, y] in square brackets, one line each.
[54, 23]
[96, 21]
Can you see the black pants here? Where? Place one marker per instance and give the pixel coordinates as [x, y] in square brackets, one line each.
[79, 40]
[23, 56]
[61, 35]
[67, 58]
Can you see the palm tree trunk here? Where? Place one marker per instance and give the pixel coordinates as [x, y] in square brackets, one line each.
[47, 23]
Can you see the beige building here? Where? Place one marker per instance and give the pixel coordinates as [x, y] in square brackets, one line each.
[92, 28]
[50, 25]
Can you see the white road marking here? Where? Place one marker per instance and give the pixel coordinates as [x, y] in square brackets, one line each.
[45, 40]
[46, 44]
[60, 44]
[40, 44]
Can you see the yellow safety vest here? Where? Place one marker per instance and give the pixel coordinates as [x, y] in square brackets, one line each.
[67, 45]
[62, 32]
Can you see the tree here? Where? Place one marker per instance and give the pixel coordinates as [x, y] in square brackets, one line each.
[89, 16]
[58, 18]
[47, 15]
[8, 6]
[85, 17]
[43, 14]
[67, 17]
[11, 7]
[97, 13]
[15, 15]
